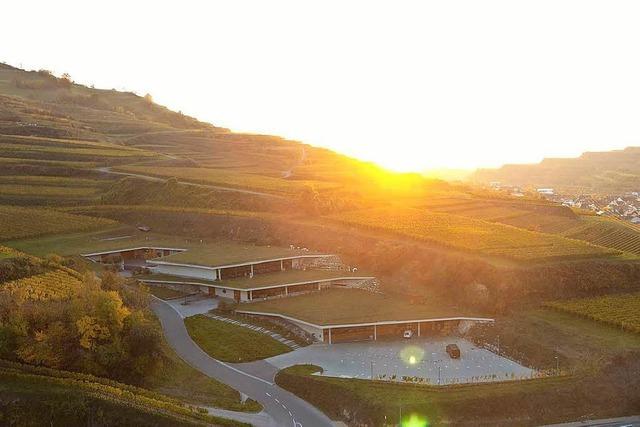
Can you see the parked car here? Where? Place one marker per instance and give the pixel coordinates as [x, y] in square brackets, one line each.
[408, 334]
[453, 351]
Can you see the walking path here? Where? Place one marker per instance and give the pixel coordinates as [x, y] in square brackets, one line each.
[107, 169]
[282, 407]
[292, 345]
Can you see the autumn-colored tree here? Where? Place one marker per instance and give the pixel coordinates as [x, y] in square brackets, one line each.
[91, 331]
[111, 281]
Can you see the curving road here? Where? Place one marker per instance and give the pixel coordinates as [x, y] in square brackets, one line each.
[253, 379]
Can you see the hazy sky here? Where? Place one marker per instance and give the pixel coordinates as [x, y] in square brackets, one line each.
[411, 85]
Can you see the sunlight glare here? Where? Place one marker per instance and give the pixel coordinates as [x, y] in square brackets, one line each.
[415, 420]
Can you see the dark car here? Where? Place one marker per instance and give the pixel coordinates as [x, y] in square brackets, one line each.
[453, 351]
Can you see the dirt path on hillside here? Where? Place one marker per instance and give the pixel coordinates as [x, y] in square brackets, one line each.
[108, 170]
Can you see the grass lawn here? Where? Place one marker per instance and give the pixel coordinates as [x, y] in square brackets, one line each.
[267, 323]
[346, 306]
[178, 379]
[231, 343]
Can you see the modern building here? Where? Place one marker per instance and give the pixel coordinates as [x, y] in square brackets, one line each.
[345, 315]
[240, 272]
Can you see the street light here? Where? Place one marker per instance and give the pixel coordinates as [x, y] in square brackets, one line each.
[437, 362]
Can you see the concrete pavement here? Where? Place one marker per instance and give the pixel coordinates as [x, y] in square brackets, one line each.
[197, 304]
[282, 407]
[633, 421]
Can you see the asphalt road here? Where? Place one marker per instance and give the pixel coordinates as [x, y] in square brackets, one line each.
[284, 408]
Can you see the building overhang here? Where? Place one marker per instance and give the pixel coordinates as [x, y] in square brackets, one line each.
[214, 285]
[115, 251]
[241, 264]
[365, 324]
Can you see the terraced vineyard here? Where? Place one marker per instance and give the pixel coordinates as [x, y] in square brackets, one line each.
[530, 215]
[607, 232]
[6, 252]
[618, 310]
[20, 222]
[46, 190]
[51, 286]
[228, 178]
[474, 235]
[32, 147]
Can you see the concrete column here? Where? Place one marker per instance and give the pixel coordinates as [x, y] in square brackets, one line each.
[251, 274]
[330, 341]
[418, 328]
[281, 265]
[318, 285]
[375, 332]
[250, 295]
[219, 274]
[286, 290]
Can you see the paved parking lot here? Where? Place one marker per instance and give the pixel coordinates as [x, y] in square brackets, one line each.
[424, 358]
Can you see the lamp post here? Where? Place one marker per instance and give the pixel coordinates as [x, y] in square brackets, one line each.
[437, 362]
[371, 369]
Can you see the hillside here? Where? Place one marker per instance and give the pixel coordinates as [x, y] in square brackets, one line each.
[592, 172]
[102, 153]
[40, 396]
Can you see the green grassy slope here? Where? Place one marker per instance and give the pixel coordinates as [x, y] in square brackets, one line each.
[232, 343]
[39, 396]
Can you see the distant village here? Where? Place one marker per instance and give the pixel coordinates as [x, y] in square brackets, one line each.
[625, 206]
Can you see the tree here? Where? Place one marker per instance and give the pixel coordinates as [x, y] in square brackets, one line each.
[65, 80]
[143, 345]
[111, 281]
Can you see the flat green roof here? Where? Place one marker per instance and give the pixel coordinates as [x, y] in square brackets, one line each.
[205, 252]
[218, 254]
[354, 306]
[100, 241]
[266, 280]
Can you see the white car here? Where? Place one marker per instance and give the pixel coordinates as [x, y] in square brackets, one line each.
[408, 334]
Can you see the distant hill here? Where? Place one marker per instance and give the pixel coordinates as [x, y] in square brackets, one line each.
[592, 172]
[49, 122]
